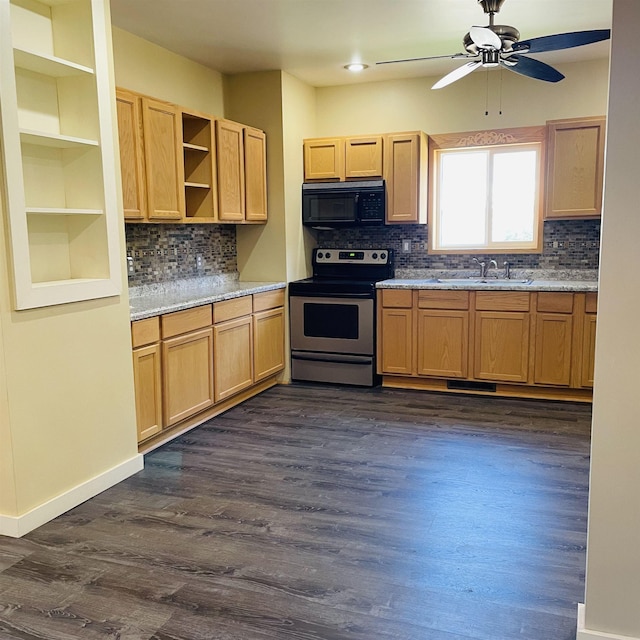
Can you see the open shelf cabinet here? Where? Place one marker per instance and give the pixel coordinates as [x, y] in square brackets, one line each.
[58, 151]
[198, 147]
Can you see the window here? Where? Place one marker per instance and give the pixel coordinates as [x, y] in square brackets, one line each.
[486, 197]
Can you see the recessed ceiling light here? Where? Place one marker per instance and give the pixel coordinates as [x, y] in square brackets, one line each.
[356, 66]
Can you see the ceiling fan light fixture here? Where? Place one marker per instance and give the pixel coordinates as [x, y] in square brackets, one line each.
[356, 66]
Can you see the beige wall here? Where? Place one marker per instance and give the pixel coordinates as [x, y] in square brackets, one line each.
[299, 117]
[147, 68]
[67, 409]
[406, 105]
[255, 99]
[613, 557]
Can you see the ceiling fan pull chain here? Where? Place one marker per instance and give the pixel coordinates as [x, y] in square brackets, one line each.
[486, 104]
[500, 111]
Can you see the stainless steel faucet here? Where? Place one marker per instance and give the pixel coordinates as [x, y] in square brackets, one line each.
[495, 266]
[483, 267]
[507, 270]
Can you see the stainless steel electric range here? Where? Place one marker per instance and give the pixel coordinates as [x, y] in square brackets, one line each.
[333, 316]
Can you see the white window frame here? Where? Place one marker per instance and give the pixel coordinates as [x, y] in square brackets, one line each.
[504, 140]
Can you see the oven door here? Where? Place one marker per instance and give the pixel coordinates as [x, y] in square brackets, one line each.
[332, 324]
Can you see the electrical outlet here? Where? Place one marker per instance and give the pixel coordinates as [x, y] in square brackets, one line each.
[199, 262]
[406, 246]
[130, 268]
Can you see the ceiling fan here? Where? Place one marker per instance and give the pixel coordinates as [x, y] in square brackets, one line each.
[500, 45]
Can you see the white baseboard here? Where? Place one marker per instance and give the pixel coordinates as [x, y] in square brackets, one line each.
[16, 527]
[588, 634]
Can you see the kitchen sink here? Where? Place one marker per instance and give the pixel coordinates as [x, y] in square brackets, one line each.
[492, 281]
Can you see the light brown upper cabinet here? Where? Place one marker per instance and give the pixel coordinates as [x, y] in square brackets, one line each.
[242, 183]
[575, 167]
[162, 127]
[406, 176]
[255, 175]
[150, 135]
[363, 157]
[134, 192]
[184, 165]
[336, 159]
[323, 159]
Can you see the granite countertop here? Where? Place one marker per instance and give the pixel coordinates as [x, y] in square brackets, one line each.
[521, 280]
[146, 301]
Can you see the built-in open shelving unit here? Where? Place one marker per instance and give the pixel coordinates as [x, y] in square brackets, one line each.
[57, 132]
[198, 145]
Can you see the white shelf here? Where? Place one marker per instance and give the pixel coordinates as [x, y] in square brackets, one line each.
[48, 65]
[59, 211]
[195, 147]
[58, 141]
[197, 185]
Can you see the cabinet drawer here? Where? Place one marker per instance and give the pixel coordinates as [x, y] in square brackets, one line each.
[398, 298]
[502, 301]
[554, 302]
[230, 309]
[443, 299]
[145, 331]
[173, 324]
[591, 303]
[268, 300]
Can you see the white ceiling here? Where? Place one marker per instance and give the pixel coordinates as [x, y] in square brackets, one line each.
[314, 39]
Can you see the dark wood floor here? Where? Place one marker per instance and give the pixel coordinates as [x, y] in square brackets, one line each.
[323, 513]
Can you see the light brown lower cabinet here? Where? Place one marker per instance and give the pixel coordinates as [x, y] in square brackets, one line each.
[268, 343]
[502, 346]
[395, 342]
[187, 375]
[232, 357]
[488, 341]
[147, 376]
[148, 385]
[187, 362]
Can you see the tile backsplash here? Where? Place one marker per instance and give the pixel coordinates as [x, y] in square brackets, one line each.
[568, 244]
[164, 252]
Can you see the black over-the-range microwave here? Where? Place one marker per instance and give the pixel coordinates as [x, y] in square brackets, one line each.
[334, 205]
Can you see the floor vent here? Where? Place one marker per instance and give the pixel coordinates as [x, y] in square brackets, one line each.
[470, 385]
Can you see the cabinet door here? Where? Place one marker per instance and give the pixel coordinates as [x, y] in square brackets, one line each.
[553, 349]
[396, 342]
[268, 343]
[255, 175]
[324, 159]
[187, 375]
[501, 346]
[148, 390]
[443, 343]
[230, 159]
[575, 168]
[363, 157]
[162, 126]
[588, 349]
[403, 165]
[232, 357]
[131, 155]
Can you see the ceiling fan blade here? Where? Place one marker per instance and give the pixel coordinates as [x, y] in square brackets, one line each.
[532, 68]
[562, 41]
[456, 74]
[454, 56]
[484, 38]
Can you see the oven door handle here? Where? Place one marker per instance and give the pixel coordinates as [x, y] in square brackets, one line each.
[313, 294]
[339, 359]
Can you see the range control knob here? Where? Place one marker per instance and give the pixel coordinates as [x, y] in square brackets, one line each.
[383, 256]
[320, 255]
[327, 255]
[374, 256]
